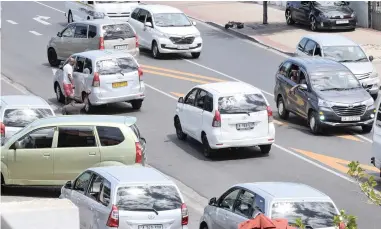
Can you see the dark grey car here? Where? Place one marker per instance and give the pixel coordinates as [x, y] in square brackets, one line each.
[324, 92]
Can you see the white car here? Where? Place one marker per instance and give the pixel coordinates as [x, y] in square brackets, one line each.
[110, 75]
[164, 29]
[376, 145]
[225, 115]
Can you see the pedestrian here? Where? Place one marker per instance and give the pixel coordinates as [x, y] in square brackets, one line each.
[68, 82]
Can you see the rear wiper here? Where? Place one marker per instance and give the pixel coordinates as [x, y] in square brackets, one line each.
[146, 209]
[332, 89]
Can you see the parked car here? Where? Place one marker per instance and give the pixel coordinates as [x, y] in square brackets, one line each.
[164, 29]
[345, 51]
[324, 92]
[50, 151]
[17, 111]
[127, 197]
[225, 115]
[376, 145]
[92, 35]
[110, 76]
[276, 200]
[321, 14]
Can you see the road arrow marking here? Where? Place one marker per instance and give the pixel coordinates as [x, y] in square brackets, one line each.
[12, 22]
[41, 19]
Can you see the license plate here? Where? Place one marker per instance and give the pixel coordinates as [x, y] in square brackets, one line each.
[183, 47]
[157, 226]
[119, 84]
[245, 126]
[120, 47]
[350, 118]
[342, 22]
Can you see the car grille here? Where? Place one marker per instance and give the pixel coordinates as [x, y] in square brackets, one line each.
[339, 17]
[118, 15]
[182, 40]
[349, 111]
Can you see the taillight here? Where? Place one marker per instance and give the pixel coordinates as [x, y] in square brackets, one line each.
[139, 152]
[217, 119]
[136, 41]
[96, 80]
[2, 127]
[101, 43]
[140, 72]
[113, 218]
[184, 215]
[270, 114]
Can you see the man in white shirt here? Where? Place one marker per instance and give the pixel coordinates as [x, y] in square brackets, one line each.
[68, 82]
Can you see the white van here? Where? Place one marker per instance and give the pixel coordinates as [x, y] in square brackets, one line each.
[376, 148]
[89, 10]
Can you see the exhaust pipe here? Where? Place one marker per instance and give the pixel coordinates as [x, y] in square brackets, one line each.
[372, 161]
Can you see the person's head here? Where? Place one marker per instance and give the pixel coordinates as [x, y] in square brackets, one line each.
[71, 61]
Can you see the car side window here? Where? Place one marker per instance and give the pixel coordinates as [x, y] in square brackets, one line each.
[110, 136]
[227, 201]
[38, 139]
[190, 98]
[80, 31]
[208, 106]
[142, 15]
[379, 114]
[260, 204]
[79, 64]
[135, 13]
[149, 18]
[76, 136]
[284, 69]
[200, 99]
[95, 186]
[317, 51]
[105, 195]
[88, 65]
[302, 43]
[69, 31]
[245, 204]
[92, 31]
[82, 182]
[310, 48]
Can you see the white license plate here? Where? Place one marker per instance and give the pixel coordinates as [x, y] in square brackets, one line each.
[154, 226]
[342, 22]
[350, 118]
[245, 126]
[120, 47]
[183, 47]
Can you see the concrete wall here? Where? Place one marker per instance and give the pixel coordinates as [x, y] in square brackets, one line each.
[40, 214]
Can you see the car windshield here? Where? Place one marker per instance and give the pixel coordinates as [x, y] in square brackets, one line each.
[24, 116]
[171, 20]
[345, 53]
[118, 65]
[117, 31]
[241, 103]
[148, 198]
[100, 2]
[325, 81]
[314, 214]
[329, 3]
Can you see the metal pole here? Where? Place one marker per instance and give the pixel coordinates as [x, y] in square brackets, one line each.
[265, 12]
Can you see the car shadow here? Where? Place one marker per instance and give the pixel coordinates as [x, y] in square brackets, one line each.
[168, 56]
[194, 148]
[28, 191]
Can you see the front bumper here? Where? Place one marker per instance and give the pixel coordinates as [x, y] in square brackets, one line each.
[167, 46]
[329, 118]
[334, 24]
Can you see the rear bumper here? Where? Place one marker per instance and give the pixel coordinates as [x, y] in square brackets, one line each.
[96, 97]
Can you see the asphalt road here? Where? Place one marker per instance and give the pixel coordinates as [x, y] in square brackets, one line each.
[297, 156]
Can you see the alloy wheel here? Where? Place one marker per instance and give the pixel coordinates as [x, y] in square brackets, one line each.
[313, 24]
[312, 122]
[288, 17]
[58, 93]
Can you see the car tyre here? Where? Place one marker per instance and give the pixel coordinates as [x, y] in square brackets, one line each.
[196, 55]
[313, 123]
[206, 149]
[155, 51]
[59, 95]
[179, 130]
[313, 25]
[367, 128]
[136, 104]
[265, 149]
[289, 19]
[282, 111]
[70, 17]
[52, 57]
[86, 100]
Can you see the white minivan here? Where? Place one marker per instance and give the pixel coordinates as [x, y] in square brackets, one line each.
[376, 146]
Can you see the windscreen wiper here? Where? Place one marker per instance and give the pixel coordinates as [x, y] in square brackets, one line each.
[360, 59]
[332, 89]
[146, 209]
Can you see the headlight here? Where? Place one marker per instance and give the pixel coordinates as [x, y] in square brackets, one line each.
[99, 15]
[323, 103]
[369, 102]
[197, 35]
[374, 74]
[353, 14]
[323, 15]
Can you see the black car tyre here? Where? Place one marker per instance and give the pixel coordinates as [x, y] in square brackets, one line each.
[136, 104]
[282, 111]
[52, 57]
[59, 95]
[265, 149]
[313, 25]
[179, 131]
[313, 123]
[289, 19]
[70, 17]
[206, 150]
[155, 50]
[88, 107]
[196, 55]
[367, 128]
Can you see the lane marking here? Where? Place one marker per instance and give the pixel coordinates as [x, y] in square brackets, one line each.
[35, 33]
[349, 137]
[18, 88]
[279, 123]
[160, 91]
[182, 73]
[177, 77]
[12, 22]
[177, 94]
[49, 7]
[363, 137]
[42, 19]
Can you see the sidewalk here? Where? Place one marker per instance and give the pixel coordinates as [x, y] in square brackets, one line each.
[277, 34]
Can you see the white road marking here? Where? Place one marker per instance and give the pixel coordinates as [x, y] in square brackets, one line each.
[42, 19]
[162, 92]
[49, 7]
[35, 33]
[363, 138]
[12, 22]
[17, 87]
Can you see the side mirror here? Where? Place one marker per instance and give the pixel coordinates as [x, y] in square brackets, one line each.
[61, 65]
[181, 100]
[347, 3]
[59, 34]
[194, 23]
[17, 145]
[213, 201]
[371, 58]
[68, 185]
[148, 24]
[303, 86]
[364, 85]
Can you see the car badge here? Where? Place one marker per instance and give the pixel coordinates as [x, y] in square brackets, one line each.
[341, 16]
[183, 38]
[151, 216]
[350, 106]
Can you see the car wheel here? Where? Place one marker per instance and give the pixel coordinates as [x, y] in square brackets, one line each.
[136, 104]
[375, 96]
[70, 17]
[313, 123]
[313, 25]
[282, 111]
[196, 55]
[52, 57]
[289, 19]
[179, 131]
[60, 97]
[367, 128]
[265, 149]
[86, 100]
[155, 51]
[206, 150]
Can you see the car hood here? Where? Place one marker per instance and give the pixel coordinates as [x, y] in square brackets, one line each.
[359, 68]
[346, 97]
[116, 7]
[335, 11]
[179, 31]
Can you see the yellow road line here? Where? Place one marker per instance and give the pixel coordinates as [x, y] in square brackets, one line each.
[176, 77]
[349, 137]
[182, 73]
[177, 94]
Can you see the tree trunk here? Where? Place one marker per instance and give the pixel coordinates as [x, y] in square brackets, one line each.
[265, 12]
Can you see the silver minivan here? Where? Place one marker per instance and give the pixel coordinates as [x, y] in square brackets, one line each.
[345, 51]
[92, 35]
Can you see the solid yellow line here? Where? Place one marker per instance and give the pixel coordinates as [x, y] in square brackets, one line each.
[182, 73]
[177, 94]
[349, 137]
[176, 77]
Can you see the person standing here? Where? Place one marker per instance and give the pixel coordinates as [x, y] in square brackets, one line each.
[68, 82]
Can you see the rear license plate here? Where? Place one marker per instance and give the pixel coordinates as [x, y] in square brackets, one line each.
[183, 47]
[119, 84]
[245, 126]
[120, 47]
[342, 22]
[350, 118]
[154, 226]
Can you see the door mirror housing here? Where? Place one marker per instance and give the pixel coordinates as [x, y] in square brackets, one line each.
[364, 85]
[194, 23]
[303, 87]
[17, 145]
[180, 100]
[59, 34]
[213, 201]
[148, 24]
[61, 65]
[371, 58]
[68, 185]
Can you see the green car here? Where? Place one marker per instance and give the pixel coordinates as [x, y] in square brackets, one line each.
[51, 151]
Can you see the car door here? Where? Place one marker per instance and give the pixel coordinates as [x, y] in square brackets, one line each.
[134, 18]
[282, 83]
[207, 115]
[301, 96]
[196, 114]
[80, 41]
[309, 49]
[304, 11]
[186, 117]
[64, 46]
[79, 76]
[300, 47]
[243, 209]
[77, 149]
[140, 28]
[148, 31]
[376, 146]
[30, 158]
[225, 206]
[289, 83]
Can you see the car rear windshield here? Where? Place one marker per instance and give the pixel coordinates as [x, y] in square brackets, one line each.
[313, 214]
[148, 198]
[241, 103]
[118, 65]
[22, 117]
[117, 31]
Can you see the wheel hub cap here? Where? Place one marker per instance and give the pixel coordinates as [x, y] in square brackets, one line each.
[312, 122]
[280, 108]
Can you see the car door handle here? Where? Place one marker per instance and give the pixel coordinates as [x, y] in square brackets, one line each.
[92, 153]
[46, 154]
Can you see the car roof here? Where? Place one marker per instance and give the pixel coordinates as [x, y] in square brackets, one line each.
[318, 64]
[229, 87]
[23, 101]
[331, 40]
[102, 22]
[285, 190]
[104, 54]
[132, 174]
[160, 8]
